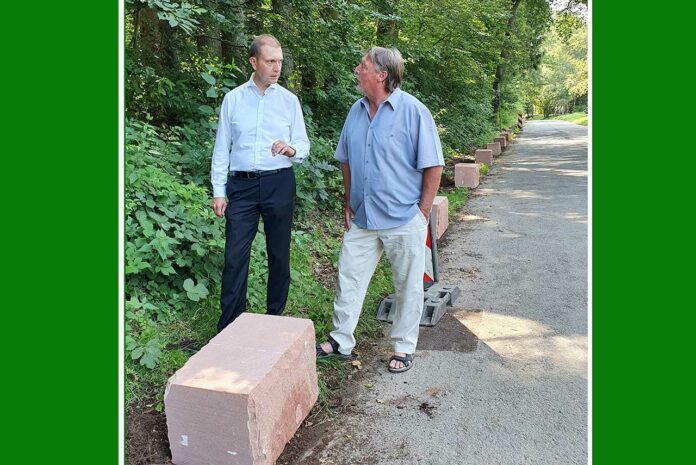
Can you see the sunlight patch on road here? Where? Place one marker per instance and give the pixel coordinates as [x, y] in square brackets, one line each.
[520, 194]
[580, 173]
[525, 340]
[573, 216]
[469, 217]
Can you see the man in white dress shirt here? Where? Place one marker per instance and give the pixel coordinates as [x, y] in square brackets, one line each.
[261, 133]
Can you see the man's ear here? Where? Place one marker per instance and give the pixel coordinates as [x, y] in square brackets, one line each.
[252, 61]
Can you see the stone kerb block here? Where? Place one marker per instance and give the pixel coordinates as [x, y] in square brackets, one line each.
[484, 156]
[466, 174]
[506, 134]
[241, 398]
[502, 141]
[440, 205]
[495, 146]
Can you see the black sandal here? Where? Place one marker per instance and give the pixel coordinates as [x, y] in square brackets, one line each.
[321, 353]
[407, 360]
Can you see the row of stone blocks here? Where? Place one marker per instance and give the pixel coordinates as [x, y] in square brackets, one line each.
[467, 174]
[242, 397]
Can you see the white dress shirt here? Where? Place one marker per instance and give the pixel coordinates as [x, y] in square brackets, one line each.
[249, 124]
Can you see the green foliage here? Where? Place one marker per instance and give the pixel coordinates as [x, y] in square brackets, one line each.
[172, 234]
[560, 83]
[456, 197]
[483, 169]
[319, 181]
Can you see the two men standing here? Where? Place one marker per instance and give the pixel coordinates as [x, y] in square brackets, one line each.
[391, 162]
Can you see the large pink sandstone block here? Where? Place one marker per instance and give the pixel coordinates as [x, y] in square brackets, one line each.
[241, 398]
[495, 146]
[484, 156]
[506, 134]
[502, 141]
[466, 174]
[440, 205]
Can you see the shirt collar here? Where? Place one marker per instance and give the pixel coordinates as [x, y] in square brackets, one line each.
[251, 83]
[393, 99]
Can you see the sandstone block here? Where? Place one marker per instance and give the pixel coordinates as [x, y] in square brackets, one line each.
[484, 156]
[440, 205]
[240, 399]
[495, 146]
[502, 141]
[466, 174]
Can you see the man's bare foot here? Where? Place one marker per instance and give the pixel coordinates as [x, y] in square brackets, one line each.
[329, 349]
[400, 362]
[326, 347]
[395, 363]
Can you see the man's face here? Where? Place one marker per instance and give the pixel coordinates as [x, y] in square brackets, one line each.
[268, 64]
[369, 80]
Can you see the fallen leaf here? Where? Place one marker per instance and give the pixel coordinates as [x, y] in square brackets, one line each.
[356, 364]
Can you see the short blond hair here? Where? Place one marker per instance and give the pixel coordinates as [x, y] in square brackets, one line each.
[263, 39]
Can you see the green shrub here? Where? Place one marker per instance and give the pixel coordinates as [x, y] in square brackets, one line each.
[172, 234]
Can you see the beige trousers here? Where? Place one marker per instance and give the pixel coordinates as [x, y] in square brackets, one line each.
[360, 253]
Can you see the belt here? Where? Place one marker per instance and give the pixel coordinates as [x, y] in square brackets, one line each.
[255, 174]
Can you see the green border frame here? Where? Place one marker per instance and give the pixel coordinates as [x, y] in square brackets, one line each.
[60, 190]
[642, 251]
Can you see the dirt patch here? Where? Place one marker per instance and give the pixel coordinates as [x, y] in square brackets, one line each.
[427, 408]
[146, 437]
[318, 429]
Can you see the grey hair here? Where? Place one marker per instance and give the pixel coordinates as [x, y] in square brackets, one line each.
[263, 39]
[389, 60]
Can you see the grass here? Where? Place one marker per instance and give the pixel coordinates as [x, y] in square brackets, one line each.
[456, 197]
[577, 118]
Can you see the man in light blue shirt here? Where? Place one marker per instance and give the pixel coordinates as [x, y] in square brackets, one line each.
[391, 161]
[261, 133]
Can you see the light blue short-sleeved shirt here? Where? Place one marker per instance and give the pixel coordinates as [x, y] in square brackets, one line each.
[386, 157]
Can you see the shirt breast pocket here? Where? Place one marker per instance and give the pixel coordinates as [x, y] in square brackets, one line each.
[400, 144]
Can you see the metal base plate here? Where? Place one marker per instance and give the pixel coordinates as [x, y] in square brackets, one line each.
[435, 301]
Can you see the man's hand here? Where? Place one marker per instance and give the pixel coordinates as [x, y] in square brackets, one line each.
[348, 216]
[426, 213]
[280, 147]
[219, 204]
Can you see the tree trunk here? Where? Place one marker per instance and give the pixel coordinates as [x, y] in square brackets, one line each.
[387, 29]
[500, 69]
[168, 55]
[148, 30]
[284, 10]
[253, 17]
